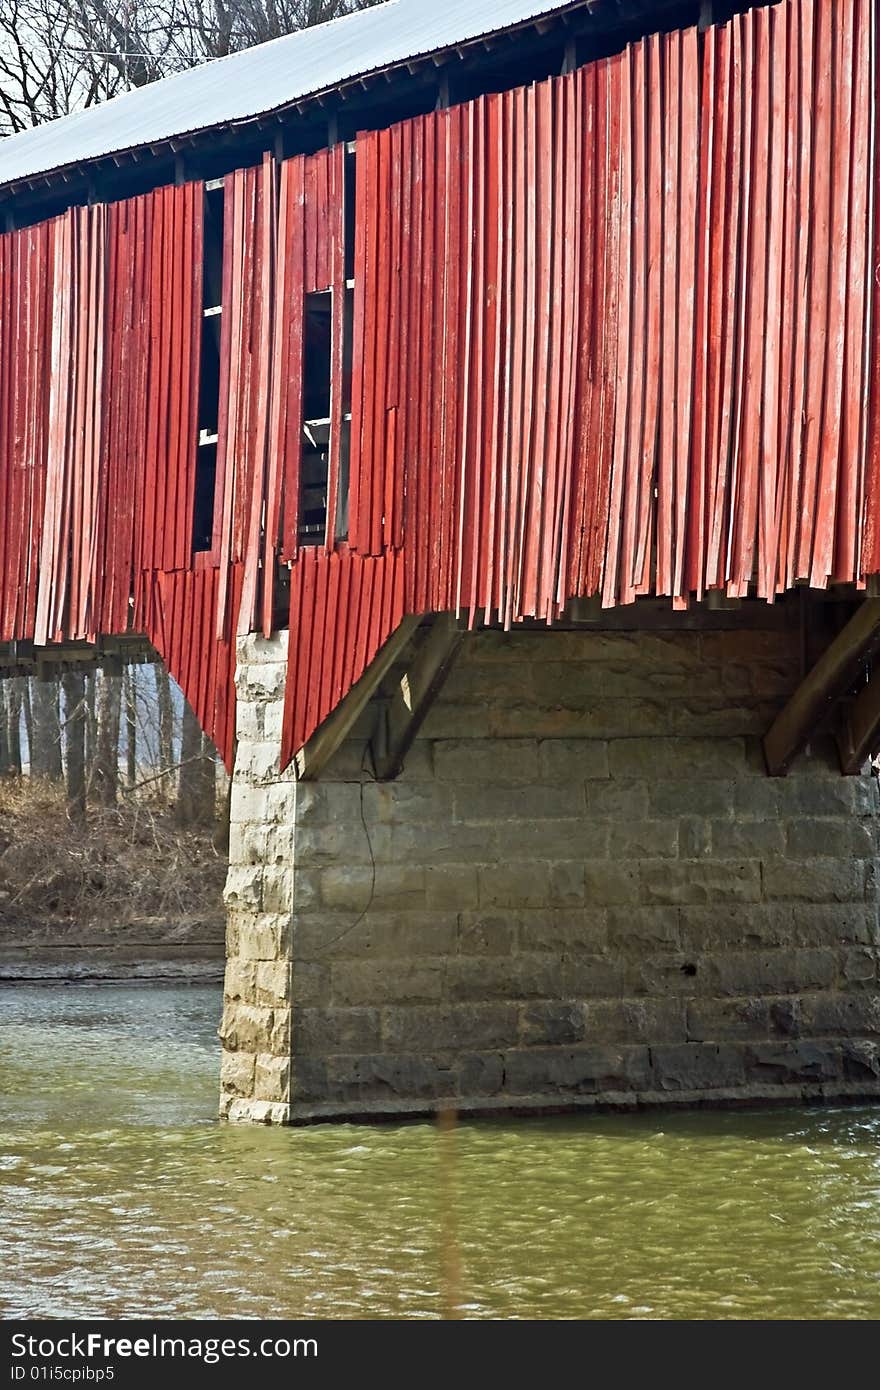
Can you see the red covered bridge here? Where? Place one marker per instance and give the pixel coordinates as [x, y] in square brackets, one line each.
[510, 312]
[613, 333]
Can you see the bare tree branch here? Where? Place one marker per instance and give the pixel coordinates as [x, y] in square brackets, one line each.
[58, 56]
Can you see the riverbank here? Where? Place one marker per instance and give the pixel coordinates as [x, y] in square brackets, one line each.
[130, 895]
[144, 950]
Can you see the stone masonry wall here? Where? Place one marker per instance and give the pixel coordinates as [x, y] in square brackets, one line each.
[583, 888]
[256, 1028]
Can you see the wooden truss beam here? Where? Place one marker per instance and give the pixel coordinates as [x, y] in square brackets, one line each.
[402, 717]
[835, 670]
[858, 737]
[314, 756]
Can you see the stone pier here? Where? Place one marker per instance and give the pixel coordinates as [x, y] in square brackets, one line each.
[583, 889]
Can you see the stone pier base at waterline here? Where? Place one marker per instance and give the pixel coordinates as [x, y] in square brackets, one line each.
[582, 890]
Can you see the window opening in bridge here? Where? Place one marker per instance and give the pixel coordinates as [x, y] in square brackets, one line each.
[209, 376]
[317, 347]
[321, 407]
[341, 519]
[349, 190]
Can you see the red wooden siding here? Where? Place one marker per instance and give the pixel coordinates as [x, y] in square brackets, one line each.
[99, 344]
[627, 344]
[100, 326]
[283, 240]
[26, 262]
[613, 334]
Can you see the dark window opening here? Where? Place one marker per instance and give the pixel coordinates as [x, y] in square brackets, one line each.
[316, 356]
[317, 345]
[209, 375]
[203, 509]
[349, 194]
[213, 248]
[341, 518]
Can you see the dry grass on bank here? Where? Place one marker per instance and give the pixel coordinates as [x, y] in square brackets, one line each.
[127, 864]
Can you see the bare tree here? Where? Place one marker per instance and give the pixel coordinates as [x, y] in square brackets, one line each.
[4, 736]
[91, 721]
[129, 702]
[38, 80]
[106, 769]
[166, 721]
[197, 786]
[45, 738]
[58, 56]
[27, 715]
[73, 688]
[13, 726]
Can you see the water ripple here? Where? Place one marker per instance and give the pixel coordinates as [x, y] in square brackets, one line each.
[119, 1196]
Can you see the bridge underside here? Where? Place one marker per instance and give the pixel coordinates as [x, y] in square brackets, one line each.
[49, 662]
[548, 869]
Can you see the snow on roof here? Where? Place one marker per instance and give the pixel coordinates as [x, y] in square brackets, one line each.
[262, 79]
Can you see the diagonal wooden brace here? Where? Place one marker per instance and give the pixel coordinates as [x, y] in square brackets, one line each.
[829, 679]
[416, 691]
[315, 755]
[858, 737]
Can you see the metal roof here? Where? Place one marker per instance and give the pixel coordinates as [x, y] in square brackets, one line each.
[262, 79]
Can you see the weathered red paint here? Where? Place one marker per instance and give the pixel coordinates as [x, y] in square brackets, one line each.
[614, 334]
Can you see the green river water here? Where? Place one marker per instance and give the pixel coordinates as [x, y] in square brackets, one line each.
[121, 1196]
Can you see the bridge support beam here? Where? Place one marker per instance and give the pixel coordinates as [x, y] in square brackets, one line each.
[582, 888]
[814, 697]
[858, 737]
[317, 753]
[415, 690]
